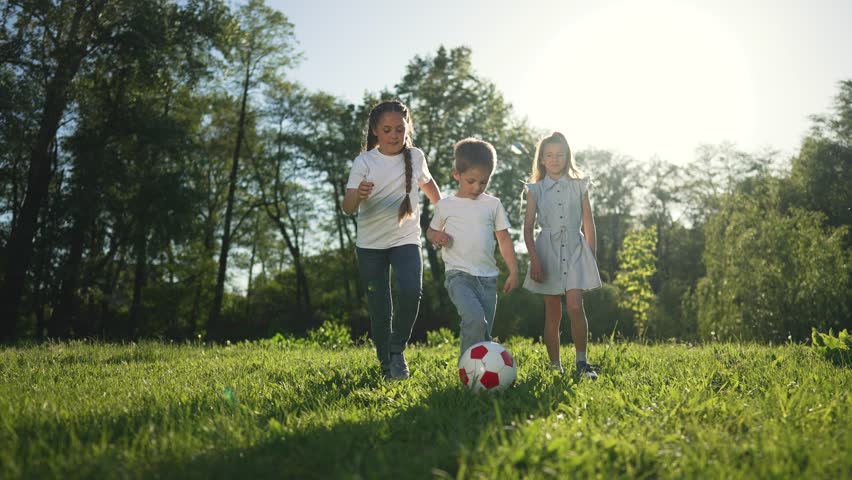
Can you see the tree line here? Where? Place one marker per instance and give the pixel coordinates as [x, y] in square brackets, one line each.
[155, 154]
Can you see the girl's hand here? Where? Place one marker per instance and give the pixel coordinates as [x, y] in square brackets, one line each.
[441, 239]
[536, 272]
[365, 189]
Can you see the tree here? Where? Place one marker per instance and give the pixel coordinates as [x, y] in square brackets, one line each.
[615, 178]
[261, 49]
[136, 109]
[449, 102]
[281, 184]
[56, 40]
[637, 260]
[771, 274]
[822, 172]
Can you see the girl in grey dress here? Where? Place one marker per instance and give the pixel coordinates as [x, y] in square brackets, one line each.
[562, 257]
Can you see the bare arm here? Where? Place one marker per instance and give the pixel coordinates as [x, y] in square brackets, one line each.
[507, 250]
[589, 225]
[432, 192]
[438, 238]
[536, 273]
[354, 197]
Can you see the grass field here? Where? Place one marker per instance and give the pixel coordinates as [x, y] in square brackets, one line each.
[156, 410]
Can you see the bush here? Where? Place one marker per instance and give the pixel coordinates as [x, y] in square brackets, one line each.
[837, 350]
[330, 335]
[769, 274]
[441, 336]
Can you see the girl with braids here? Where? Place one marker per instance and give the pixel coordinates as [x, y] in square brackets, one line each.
[383, 187]
[562, 257]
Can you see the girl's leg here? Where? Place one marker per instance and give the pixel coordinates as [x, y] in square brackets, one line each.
[408, 269]
[579, 324]
[374, 271]
[552, 319]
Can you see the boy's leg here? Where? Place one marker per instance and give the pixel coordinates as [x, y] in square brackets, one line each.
[408, 269]
[463, 290]
[373, 269]
[552, 320]
[488, 299]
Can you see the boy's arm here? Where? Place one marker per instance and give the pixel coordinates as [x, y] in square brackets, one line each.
[507, 250]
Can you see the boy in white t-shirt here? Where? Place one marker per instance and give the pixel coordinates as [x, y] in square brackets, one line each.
[464, 225]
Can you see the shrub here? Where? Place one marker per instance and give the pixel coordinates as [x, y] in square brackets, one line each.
[837, 350]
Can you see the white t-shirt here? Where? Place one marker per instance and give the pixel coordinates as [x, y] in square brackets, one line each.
[378, 221]
[471, 223]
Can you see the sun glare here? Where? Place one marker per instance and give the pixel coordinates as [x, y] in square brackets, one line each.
[646, 78]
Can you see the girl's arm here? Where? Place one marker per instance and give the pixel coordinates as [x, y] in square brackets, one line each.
[507, 250]
[432, 192]
[438, 238]
[536, 272]
[354, 196]
[589, 225]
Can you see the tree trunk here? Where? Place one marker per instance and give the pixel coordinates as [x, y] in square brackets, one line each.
[139, 279]
[67, 309]
[338, 217]
[219, 293]
[251, 267]
[19, 249]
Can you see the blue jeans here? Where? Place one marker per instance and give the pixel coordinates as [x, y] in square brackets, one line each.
[476, 300]
[391, 329]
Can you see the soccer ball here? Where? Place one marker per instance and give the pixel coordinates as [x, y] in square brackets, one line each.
[487, 366]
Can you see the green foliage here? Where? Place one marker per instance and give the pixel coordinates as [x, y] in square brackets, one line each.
[153, 410]
[330, 334]
[770, 275]
[612, 195]
[837, 349]
[638, 264]
[441, 336]
[604, 314]
[822, 175]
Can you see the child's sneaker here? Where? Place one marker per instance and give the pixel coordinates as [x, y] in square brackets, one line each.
[585, 369]
[398, 367]
[557, 368]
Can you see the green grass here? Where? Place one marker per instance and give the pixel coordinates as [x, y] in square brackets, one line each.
[154, 410]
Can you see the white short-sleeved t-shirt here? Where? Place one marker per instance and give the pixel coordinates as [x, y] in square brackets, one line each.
[471, 223]
[378, 224]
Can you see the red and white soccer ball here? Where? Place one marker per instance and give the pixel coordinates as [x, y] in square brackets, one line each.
[487, 366]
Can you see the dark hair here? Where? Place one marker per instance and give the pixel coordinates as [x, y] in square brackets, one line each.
[538, 170]
[405, 210]
[473, 152]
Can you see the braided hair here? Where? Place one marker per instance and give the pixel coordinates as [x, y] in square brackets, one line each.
[405, 209]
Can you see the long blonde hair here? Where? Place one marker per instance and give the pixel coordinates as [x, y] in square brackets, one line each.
[405, 210]
[538, 169]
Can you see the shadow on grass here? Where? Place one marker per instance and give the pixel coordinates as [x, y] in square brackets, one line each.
[431, 438]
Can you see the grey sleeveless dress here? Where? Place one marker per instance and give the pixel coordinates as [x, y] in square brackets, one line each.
[566, 258]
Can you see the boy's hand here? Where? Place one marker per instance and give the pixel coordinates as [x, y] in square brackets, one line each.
[511, 282]
[441, 239]
[536, 272]
[365, 189]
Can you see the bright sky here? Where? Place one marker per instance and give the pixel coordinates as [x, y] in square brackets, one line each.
[639, 77]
